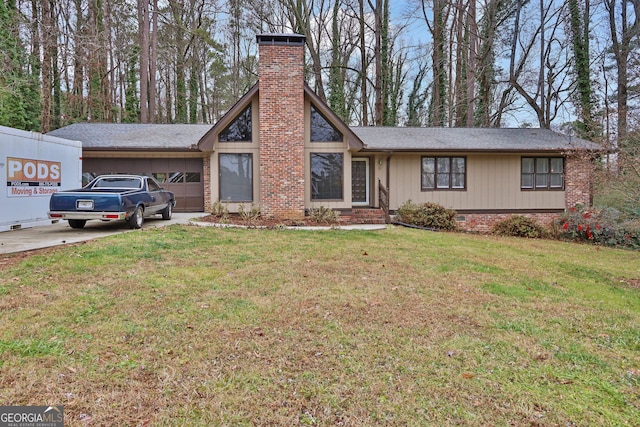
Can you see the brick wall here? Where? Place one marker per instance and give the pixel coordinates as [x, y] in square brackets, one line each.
[578, 182]
[281, 94]
[483, 222]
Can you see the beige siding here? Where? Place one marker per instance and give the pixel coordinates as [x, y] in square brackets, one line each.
[493, 182]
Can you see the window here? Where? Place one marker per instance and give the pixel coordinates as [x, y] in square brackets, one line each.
[326, 176]
[118, 182]
[322, 130]
[444, 173]
[152, 185]
[175, 177]
[161, 177]
[542, 173]
[239, 130]
[236, 177]
[192, 177]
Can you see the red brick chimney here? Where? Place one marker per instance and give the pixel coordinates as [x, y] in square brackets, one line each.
[281, 93]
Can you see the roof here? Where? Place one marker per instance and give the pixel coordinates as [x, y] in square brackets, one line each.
[469, 139]
[134, 136]
[184, 137]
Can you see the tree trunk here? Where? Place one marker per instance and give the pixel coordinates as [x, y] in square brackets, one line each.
[47, 78]
[579, 24]
[143, 36]
[153, 63]
[363, 66]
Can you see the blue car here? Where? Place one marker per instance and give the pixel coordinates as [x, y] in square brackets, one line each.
[113, 197]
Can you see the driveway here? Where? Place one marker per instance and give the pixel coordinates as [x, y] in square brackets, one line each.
[60, 233]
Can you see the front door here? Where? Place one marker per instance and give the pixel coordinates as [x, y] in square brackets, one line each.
[360, 181]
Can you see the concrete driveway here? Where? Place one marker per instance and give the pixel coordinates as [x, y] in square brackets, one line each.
[60, 233]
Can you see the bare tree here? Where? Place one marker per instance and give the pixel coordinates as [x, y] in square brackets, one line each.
[144, 39]
[623, 32]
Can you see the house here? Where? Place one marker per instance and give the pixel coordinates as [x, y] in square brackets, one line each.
[280, 147]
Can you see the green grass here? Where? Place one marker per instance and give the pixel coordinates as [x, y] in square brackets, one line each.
[399, 327]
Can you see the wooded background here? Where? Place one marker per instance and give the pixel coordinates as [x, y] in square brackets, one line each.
[567, 64]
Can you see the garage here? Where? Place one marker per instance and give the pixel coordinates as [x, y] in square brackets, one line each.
[168, 152]
[184, 177]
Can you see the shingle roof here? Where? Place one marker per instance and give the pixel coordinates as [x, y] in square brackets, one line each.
[468, 139]
[180, 137]
[132, 136]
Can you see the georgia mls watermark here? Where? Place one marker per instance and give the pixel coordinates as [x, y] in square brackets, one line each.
[32, 416]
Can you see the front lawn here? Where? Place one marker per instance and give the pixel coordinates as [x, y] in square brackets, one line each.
[212, 327]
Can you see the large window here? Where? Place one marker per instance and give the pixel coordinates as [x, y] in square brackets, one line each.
[542, 173]
[327, 176]
[239, 130]
[444, 173]
[321, 129]
[236, 177]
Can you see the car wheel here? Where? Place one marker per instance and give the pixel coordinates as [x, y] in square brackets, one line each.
[168, 211]
[77, 223]
[137, 218]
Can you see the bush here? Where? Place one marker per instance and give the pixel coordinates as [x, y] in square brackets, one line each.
[249, 217]
[519, 226]
[600, 226]
[430, 215]
[323, 215]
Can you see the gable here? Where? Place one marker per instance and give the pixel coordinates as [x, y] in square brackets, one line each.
[207, 141]
[353, 141]
[327, 121]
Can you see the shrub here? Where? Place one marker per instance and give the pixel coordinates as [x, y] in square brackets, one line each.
[519, 226]
[600, 226]
[219, 210]
[249, 217]
[323, 215]
[430, 215]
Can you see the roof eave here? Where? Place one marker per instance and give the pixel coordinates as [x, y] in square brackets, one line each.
[475, 150]
[146, 149]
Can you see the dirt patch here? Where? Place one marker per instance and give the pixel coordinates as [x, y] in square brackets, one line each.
[631, 283]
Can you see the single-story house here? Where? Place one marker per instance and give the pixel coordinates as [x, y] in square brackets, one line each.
[281, 148]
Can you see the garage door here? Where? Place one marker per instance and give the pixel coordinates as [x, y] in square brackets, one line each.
[182, 176]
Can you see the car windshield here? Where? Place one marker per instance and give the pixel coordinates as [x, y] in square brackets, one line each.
[118, 182]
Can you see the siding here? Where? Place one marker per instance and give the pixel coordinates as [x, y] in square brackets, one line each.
[493, 182]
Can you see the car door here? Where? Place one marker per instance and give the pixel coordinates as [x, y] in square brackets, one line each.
[158, 200]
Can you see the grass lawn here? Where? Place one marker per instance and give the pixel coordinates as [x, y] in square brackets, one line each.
[189, 326]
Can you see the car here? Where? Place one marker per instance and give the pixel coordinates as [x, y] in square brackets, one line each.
[111, 198]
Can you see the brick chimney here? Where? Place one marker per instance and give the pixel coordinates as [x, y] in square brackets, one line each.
[281, 93]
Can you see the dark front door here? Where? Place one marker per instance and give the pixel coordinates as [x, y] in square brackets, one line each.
[360, 181]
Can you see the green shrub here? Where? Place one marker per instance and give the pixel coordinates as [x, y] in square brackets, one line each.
[430, 215]
[323, 215]
[600, 226]
[519, 226]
